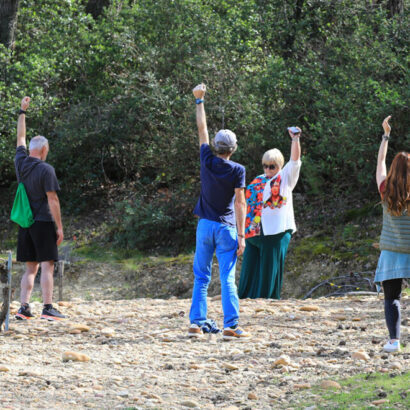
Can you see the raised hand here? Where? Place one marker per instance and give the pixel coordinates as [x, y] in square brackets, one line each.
[295, 134]
[25, 102]
[199, 91]
[386, 125]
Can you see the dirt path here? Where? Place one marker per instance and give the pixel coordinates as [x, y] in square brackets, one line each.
[140, 355]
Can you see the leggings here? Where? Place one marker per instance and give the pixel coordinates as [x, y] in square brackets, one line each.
[392, 293]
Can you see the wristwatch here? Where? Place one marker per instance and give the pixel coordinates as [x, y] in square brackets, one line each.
[199, 101]
[21, 111]
[386, 137]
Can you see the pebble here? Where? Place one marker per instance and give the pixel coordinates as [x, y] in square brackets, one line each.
[190, 403]
[309, 308]
[395, 366]
[123, 393]
[230, 366]
[195, 366]
[379, 402]
[75, 357]
[28, 373]
[282, 360]
[4, 369]
[330, 384]
[108, 332]
[80, 327]
[361, 356]
[252, 396]
[302, 386]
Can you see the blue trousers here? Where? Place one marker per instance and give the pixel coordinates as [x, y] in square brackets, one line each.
[222, 239]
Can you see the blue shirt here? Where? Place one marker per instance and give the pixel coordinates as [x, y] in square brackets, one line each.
[219, 178]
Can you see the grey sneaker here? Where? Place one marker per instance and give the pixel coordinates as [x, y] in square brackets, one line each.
[51, 313]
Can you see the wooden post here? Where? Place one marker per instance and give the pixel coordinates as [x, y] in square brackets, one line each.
[60, 279]
[9, 266]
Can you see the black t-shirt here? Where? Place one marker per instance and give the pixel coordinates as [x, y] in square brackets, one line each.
[38, 178]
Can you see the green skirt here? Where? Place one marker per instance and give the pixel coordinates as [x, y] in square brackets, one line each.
[262, 266]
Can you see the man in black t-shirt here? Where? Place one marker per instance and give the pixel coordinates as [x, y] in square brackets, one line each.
[37, 244]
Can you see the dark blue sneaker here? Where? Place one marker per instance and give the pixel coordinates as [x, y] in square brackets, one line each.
[210, 327]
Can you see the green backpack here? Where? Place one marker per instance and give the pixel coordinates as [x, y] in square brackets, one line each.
[21, 212]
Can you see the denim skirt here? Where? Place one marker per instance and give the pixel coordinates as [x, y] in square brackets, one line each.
[392, 265]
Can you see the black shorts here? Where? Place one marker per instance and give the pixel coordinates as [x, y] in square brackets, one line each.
[37, 243]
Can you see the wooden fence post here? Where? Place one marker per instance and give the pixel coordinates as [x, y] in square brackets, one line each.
[9, 267]
[60, 279]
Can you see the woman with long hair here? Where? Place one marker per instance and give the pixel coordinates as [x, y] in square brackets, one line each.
[394, 261]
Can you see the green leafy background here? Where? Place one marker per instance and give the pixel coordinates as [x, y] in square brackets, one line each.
[113, 95]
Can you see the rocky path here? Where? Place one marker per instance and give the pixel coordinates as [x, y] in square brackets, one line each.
[135, 354]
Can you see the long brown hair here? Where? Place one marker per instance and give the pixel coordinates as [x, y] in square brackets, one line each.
[397, 192]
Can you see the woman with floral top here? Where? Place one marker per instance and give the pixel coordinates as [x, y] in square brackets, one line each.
[269, 223]
[394, 261]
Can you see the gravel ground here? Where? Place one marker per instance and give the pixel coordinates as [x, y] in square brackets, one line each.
[136, 353]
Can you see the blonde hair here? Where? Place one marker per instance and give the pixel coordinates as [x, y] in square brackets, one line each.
[273, 156]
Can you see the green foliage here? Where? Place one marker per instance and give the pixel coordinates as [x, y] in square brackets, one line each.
[113, 95]
[161, 220]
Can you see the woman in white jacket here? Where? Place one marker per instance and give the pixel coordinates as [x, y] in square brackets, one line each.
[269, 223]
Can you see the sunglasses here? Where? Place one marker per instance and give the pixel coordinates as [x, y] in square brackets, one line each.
[271, 166]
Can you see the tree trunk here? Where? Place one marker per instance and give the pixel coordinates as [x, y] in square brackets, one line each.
[8, 21]
[4, 292]
[95, 7]
[395, 7]
[290, 39]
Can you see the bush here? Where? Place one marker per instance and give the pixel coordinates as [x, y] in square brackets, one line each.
[114, 94]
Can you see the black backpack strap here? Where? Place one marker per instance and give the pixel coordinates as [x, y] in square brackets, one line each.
[20, 179]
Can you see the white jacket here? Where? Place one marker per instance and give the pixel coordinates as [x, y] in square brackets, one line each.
[277, 212]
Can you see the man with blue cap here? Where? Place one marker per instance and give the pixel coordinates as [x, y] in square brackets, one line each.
[221, 208]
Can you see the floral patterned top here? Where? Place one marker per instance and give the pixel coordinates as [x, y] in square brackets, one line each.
[254, 201]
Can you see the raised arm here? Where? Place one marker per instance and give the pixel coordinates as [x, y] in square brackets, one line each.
[199, 93]
[381, 170]
[240, 214]
[21, 123]
[295, 148]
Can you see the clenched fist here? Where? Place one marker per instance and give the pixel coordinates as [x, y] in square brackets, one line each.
[25, 102]
[199, 91]
[386, 125]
